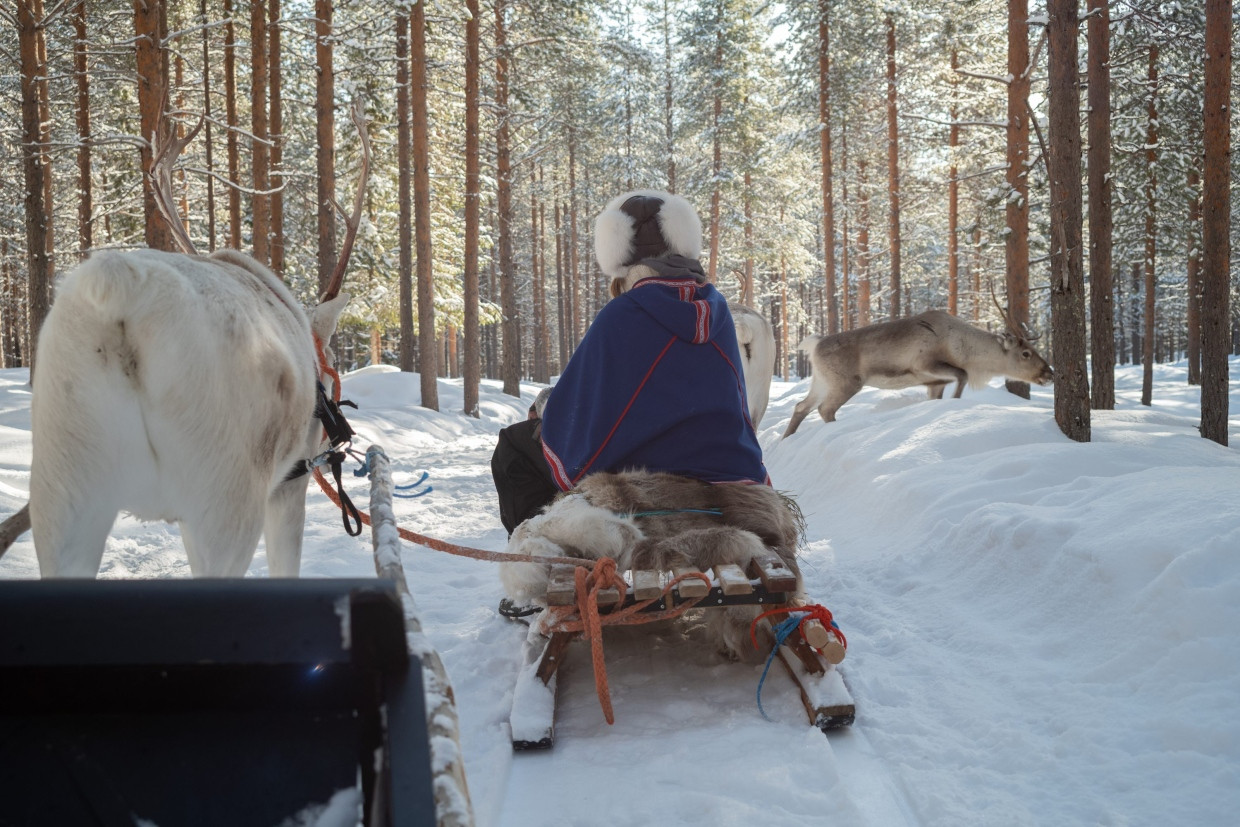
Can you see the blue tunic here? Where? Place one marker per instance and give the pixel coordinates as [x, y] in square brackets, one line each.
[656, 384]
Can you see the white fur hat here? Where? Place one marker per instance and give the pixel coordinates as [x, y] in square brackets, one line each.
[645, 224]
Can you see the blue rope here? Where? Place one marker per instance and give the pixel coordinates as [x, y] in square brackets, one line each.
[714, 512]
[415, 483]
[782, 632]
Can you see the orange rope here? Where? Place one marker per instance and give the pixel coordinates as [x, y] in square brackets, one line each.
[591, 576]
[590, 622]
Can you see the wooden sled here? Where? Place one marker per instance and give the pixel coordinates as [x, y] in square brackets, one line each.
[768, 584]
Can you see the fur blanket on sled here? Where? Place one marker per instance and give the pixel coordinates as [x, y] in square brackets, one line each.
[659, 521]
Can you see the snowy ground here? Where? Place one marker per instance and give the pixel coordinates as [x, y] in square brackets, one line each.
[1040, 632]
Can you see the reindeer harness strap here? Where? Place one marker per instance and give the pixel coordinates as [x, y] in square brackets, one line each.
[339, 435]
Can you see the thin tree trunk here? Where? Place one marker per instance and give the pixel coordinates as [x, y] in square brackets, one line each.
[544, 331]
[38, 263]
[747, 290]
[1216, 214]
[152, 96]
[573, 272]
[45, 118]
[538, 357]
[1151, 241]
[511, 326]
[1193, 272]
[276, 129]
[260, 159]
[893, 168]
[404, 183]
[1101, 288]
[12, 312]
[846, 318]
[670, 147]
[824, 149]
[206, 129]
[1016, 247]
[863, 247]
[325, 150]
[1068, 276]
[422, 209]
[1134, 312]
[953, 196]
[716, 166]
[473, 206]
[83, 130]
[561, 316]
[234, 148]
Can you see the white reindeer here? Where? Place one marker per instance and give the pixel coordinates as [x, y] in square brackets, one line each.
[756, 339]
[182, 388]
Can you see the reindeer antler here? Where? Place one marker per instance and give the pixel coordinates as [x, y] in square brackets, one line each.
[1023, 332]
[354, 221]
[165, 149]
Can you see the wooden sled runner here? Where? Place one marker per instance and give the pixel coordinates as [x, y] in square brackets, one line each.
[768, 584]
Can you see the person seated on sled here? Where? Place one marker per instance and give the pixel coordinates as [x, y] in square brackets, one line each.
[523, 482]
[656, 384]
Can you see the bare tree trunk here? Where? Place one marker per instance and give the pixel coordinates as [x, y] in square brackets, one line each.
[12, 311]
[893, 167]
[404, 183]
[824, 149]
[1134, 312]
[782, 341]
[1151, 241]
[83, 130]
[152, 96]
[1193, 268]
[1016, 249]
[1068, 267]
[1101, 287]
[207, 130]
[277, 143]
[473, 206]
[1216, 212]
[45, 117]
[573, 271]
[977, 270]
[544, 331]
[953, 197]
[260, 160]
[716, 167]
[863, 247]
[234, 149]
[747, 291]
[422, 209]
[511, 327]
[538, 260]
[325, 157]
[561, 292]
[670, 147]
[38, 224]
[846, 319]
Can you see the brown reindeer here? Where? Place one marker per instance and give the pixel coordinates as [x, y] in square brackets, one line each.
[932, 348]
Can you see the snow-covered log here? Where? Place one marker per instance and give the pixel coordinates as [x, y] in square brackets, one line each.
[452, 804]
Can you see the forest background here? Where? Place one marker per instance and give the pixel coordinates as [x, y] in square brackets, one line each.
[852, 161]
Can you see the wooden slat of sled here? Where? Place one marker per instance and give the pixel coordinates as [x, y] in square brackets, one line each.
[732, 580]
[690, 587]
[647, 584]
[561, 587]
[773, 573]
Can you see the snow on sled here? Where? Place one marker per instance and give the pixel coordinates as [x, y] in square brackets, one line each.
[808, 649]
